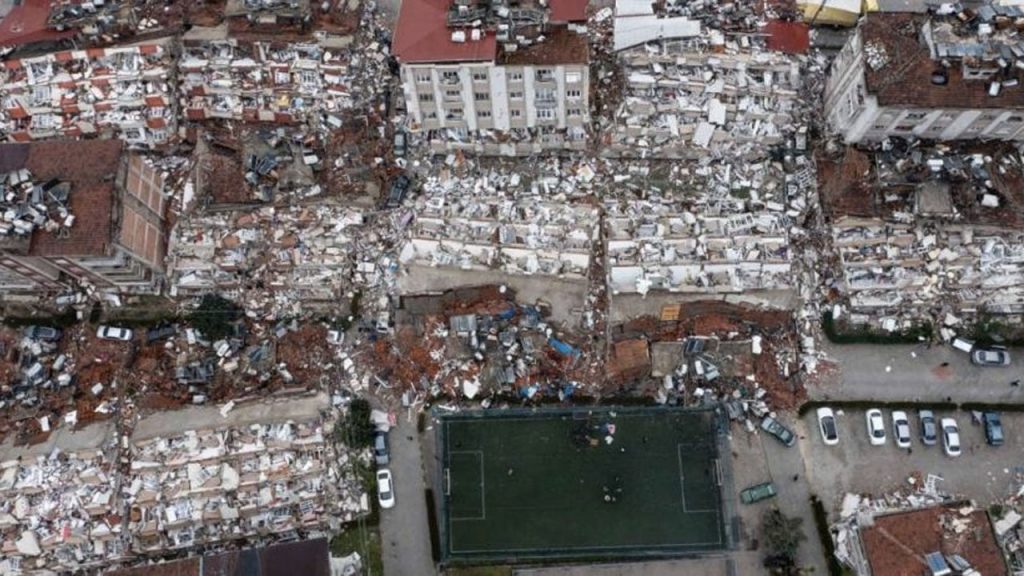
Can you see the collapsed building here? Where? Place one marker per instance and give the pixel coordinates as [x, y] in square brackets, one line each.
[939, 76]
[122, 92]
[495, 78]
[688, 85]
[68, 223]
[927, 233]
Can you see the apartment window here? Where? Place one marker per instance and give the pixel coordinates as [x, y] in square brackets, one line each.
[309, 77]
[1015, 119]
[481, 96]
[484, 114]
[423, 77]
[516, 113]
[546, 114]
[515, 76]
[518, 95]
[40, 95]
[479, 76]
[545, 74]
[573, 77]
[915, 115]
[450, 76]
[546, 95]
[454, 114]
[575, 112]
[426, 97]
[573, 93]
[453, 93]
[430, 115]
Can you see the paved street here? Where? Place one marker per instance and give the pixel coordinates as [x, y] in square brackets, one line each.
[916, 372]
[982, 472]
[403, 529]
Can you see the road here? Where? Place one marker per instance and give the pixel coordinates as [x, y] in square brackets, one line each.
[404, 529]
[916, 373]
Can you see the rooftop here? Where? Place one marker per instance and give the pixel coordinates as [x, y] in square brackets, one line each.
[26, 23]
[424, 33]
[92, 190]
[560, 46]
[900, 64]
[307, 557]
[897, 543]
[946, 182]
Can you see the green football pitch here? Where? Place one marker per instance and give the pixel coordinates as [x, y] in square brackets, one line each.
[550, 484]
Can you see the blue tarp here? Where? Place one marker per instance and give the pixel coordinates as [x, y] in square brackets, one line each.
[563, 348]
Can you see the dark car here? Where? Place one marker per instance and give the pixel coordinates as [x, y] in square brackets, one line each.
[160, 333]
[45, 333]
[381, 449]
[397, 191]
[195, 373]
[775, 428]
[993, 428]
[929, 432]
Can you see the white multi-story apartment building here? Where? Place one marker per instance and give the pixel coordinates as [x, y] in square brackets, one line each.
[521, 70]
[930, 77]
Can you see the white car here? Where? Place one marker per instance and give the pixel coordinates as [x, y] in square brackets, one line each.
[901, 428]
[115, 333]
[950, 436]
[876, 427]
[827, 425]
[385, 489]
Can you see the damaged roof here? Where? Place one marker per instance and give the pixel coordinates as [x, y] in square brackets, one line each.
[903, 68]
[92, 190]
[26, 23]
[422, 35]
[307, 557]
[897, 543]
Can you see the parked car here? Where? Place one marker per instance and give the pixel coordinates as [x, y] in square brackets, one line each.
[115, 333]
[928, 433]
[385, 489]
[775, 428]
[901, 428]
[993, 428]
[397, 190]
[876, 427]
[401, 143]
[381, 449]
[757, 493]
[160, 333]
[44, 333]
[990, 356]
[950, 436]
[827, 425]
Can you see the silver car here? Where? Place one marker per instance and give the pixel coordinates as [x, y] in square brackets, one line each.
[990, 356]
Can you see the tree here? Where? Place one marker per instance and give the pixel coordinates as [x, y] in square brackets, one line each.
[214, 317]
[782, 535]
[356, 427]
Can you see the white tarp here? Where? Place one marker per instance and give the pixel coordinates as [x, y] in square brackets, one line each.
[635, 30]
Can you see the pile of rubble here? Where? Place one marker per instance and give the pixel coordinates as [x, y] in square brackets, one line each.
[120, 91]
[61, 512]
[726, 231]
[927, 233]
[27, 204]
[205, 487]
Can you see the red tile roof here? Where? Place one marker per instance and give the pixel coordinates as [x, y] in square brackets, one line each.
[89, 166]
[896, 544]
[26, 24]
[788, 37]
[422, 35]
[906, 78]
[568, 10]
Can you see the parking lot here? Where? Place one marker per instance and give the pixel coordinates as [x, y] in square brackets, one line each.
[982, 472]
